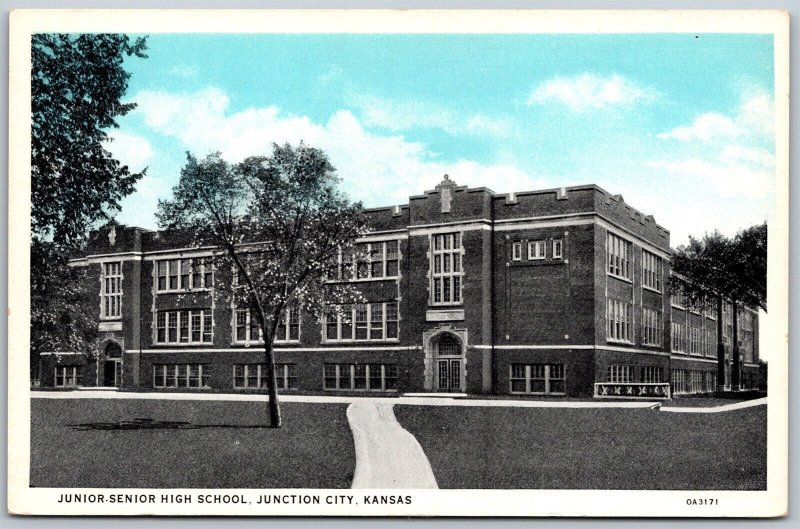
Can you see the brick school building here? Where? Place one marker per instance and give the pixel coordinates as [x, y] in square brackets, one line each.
[547, 292]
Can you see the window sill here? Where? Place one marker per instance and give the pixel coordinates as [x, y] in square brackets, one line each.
[651, 289]
[620, 342]
[621, 278]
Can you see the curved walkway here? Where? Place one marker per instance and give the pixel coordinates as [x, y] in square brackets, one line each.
[717, 409]
[387, 455]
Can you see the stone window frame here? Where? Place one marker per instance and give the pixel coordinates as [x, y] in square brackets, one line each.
[286, 375]
[367, 323]
[163, 373]
[295, 321]
[527, 376]
[111, 290]
[451, 254]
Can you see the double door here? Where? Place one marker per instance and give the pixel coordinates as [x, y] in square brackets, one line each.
[449, 375]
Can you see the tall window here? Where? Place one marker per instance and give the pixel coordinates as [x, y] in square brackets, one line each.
[651, 327]
[710, 343]
[111, 296]
[652, 269]
[248, 330]
[678, 337]
[618, 252]
[184, 327]
[620, 373]
[446, 269]
[364, 321]
[255, 376]
[516, 251]
[558, 248]
[618, 318]
[184, 274]
[378, 260]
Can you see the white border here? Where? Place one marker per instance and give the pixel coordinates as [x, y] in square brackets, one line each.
[772, 502]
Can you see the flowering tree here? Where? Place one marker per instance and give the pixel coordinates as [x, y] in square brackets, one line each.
[276, 223]
[717, 268]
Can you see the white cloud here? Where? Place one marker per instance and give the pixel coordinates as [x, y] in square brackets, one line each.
[397, 116]
[589, 91]
[753, 117]
[378, 169]
[131, 150]
[744, 168]
[705, 128]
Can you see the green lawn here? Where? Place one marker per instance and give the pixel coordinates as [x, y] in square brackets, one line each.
[188, 444]
[541, 448]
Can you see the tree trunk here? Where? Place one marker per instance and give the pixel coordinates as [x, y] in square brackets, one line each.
[736, 370]
[720, 346]
[272, 386]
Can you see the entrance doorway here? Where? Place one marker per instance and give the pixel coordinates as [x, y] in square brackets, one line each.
[449, 362]
[112, 365]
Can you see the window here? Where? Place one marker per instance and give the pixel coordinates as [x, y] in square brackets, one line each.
[651, 374]
[618, 317]
[516, 251]
[558, 248]
[255, 376]
[184, 274]
[446, 270]
[710, 344]
[620, 373]
[618, 252]
[536, 250]
[678, 299]
[679, 381]
[377, 260]
[651, 327]
[678, 337]
[184, 327]
[68, 376]
[538, 379]
[181, 375]
[652, 270]
[694, 341]
[247, 329]
[360, 377]
[364, 321]
[111, 295]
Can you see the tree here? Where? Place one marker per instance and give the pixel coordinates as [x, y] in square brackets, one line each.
[276, 223]
[717, 268]
[76, 86]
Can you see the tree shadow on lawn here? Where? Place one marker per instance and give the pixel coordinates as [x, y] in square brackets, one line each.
[143, 423]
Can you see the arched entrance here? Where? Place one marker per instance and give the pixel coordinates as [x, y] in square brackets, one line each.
[449, 355]
[112, 365]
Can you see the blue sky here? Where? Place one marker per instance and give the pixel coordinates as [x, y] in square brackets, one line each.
[680, 124]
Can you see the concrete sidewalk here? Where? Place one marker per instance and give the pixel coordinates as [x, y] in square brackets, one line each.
[444, 400]
[387, 455]
[717, 409]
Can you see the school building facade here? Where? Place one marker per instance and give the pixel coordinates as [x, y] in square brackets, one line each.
[535, 293]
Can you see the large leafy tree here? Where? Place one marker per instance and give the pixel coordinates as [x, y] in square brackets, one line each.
[716, 268]
[77, 82]
[276, 223]
[76, 86]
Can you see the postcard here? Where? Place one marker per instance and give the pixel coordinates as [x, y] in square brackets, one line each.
[398, 263]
